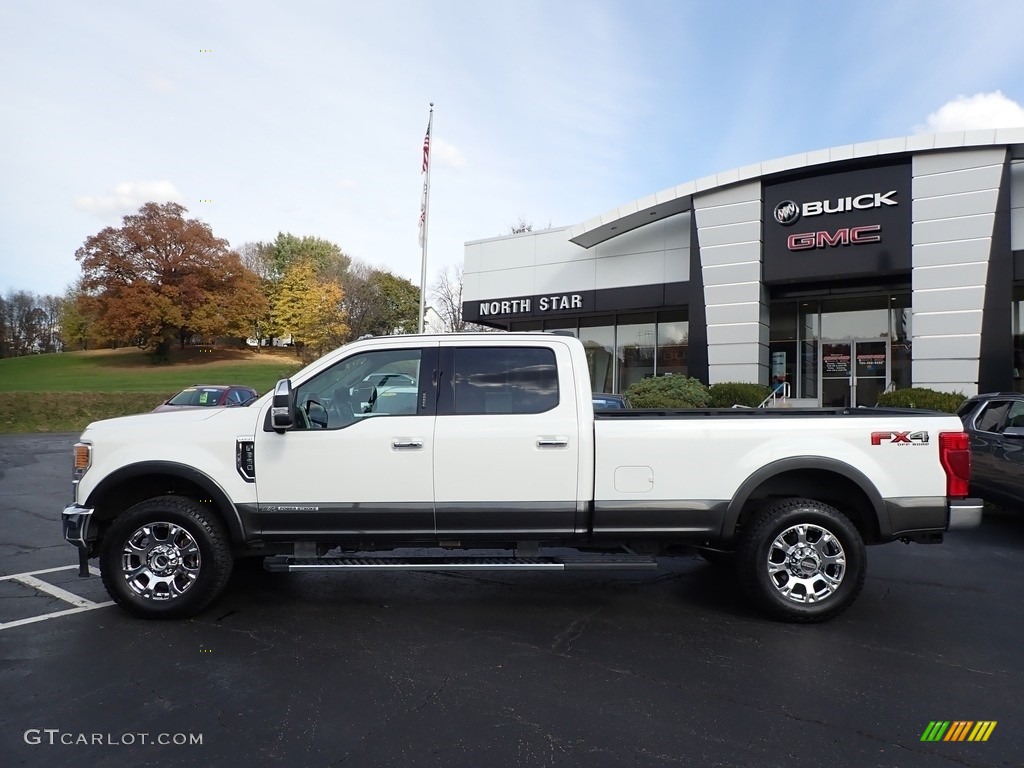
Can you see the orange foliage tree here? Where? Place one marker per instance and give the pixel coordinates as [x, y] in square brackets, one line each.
[161, 277]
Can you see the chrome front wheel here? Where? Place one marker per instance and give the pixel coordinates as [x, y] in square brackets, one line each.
[166, 557]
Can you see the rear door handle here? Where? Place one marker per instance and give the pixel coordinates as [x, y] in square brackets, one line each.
[552, 442]
[407, 444]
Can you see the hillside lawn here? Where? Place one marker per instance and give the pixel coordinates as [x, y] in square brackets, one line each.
[64, 392]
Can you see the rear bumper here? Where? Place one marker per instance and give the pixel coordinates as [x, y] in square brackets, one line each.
[964, 513]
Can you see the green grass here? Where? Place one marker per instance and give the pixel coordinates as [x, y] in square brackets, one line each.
[64, 392]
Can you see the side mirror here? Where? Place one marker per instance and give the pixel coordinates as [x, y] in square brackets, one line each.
[282, 415]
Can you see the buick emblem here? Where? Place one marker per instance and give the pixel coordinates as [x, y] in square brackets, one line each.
[787, 212]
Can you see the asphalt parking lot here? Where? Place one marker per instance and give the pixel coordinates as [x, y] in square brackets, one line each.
[589, 669]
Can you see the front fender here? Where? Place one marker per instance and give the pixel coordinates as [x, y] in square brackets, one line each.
[164, 473]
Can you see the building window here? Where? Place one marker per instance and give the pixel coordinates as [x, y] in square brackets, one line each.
[598, 337]
[634, 349]
[673, 344]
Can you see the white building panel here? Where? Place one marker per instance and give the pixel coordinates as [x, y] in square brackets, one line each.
[735, 213]
[952, 276]
[960, 373]
[928, 163]
[677, 265]
[949, 300]
[635, 269]
[743, 272]
[733, 293]
[951, 206]
[947, 348]
[952, 252]
[749, 231]
[736, 333]
[732, 253]
[946, 323]
[506, 282]
[957, 182]
[944, 230]
[564, 278]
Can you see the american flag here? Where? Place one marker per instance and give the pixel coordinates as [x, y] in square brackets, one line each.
[426, 149]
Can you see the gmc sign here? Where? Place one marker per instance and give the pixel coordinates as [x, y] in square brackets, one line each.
[805, 241]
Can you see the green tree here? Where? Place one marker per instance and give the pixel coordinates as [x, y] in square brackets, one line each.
[379, 303]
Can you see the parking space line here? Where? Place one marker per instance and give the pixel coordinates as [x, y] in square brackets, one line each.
[29, 580]
[50, 589]
[45, 616]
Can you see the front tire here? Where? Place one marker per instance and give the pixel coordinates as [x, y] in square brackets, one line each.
[165, 558]
[802, 560]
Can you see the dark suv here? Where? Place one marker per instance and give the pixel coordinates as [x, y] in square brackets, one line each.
[995, 423]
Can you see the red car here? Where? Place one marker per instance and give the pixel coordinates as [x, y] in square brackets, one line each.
[209, 396]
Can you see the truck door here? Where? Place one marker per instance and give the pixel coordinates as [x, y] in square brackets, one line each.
[359, 461]
[506, 442]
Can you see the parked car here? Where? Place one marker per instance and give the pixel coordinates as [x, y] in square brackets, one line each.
[209, 396]
[995, 424]
[606, 402]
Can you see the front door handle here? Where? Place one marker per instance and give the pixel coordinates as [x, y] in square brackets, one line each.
[552, 442]
[407, 444]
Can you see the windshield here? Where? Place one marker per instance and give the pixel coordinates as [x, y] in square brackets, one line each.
[197, 396]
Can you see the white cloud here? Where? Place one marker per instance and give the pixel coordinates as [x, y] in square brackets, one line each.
[968, 113]
[128, 196]
[446, 154]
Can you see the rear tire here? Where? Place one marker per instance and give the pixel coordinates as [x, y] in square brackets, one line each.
[165, 558]
[801, 560]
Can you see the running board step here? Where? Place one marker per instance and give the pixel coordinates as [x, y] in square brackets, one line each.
[282, 563]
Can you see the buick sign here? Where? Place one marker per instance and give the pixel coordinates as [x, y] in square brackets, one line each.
[787, 212]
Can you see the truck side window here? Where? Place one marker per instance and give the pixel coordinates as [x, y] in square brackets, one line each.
[991, 418]
[504, 380]
[370, 384]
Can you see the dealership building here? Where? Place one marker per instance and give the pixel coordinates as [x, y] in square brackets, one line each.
[843, 272]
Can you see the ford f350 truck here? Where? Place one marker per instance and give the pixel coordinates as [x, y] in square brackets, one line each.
[450, 443]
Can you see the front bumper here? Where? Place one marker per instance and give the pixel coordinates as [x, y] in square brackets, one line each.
[77, 524]
[964, 513]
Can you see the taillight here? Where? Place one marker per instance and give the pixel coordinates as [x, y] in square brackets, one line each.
[955, 457]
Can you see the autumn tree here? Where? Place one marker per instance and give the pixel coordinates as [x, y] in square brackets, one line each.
[161, 277]
[309, 309]
[75, 323]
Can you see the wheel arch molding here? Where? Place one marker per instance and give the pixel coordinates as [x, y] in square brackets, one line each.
[136, 482]
[805, 474]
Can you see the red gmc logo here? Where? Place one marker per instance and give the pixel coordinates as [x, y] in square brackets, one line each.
[899, 438]
[806, 241]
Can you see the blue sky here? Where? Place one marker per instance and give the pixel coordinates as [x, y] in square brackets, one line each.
[308, 116]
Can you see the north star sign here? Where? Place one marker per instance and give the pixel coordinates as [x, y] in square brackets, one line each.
[558, 302]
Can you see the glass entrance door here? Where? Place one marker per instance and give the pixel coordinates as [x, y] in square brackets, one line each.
[853, 372]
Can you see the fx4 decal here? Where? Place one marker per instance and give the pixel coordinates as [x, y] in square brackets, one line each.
[899, 438]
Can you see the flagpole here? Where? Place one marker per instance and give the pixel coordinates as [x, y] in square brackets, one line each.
[425, 217]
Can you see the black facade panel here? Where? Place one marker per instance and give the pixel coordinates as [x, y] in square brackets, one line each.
[501, 311]
[832, 226]
[1018, 265]
[995, 369]
[697, 362]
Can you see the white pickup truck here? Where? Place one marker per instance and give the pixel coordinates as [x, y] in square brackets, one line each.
[490, 442]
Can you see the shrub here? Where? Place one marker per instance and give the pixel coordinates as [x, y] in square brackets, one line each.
[668, 392]
[921, 397]
[730, 393]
